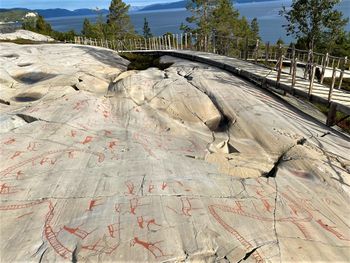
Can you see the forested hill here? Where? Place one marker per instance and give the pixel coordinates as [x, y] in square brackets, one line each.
[182, 4]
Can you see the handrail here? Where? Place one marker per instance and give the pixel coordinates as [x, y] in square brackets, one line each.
[315, 65]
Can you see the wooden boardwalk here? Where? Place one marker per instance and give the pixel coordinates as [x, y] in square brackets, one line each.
[246, 64]
[264, 76]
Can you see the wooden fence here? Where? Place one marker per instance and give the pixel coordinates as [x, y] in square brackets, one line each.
[315, 65]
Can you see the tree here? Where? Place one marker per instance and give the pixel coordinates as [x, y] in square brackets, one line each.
[225, 18]
[313, 20]
[146, 29]
[86, 28]
[118, 20]
[254, 26]
[201, 15]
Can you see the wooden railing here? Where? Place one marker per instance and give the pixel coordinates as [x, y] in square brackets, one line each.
[315, 66]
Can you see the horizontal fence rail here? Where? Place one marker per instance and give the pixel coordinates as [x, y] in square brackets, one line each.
[325, 69]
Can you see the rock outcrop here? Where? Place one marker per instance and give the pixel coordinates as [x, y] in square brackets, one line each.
[100, 164]
[25, 34]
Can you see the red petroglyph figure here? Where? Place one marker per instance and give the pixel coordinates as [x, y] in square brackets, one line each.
[73, 133]
[80, 104]
[106, 114]
[186, 207]
[150, 246]
[19, 174]
[12, 168]
[141, 221]
[32, 146]
[108, 133]
[49, 233]
[164, 185]
[183, 186]
[332, 230]
[131, 187]
[151, 187]
[134, 204]
[87, 140]
[113, 229]
[93, 203]
[10, 141]
[104, 248]
[78, 232]
[266, 205]
[71, 154]
[112, 144]
[16, 154]
[48, 160]
[26, 214]
[4, 189]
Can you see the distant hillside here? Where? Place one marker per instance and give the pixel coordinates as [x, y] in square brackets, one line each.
[183, 4]
[47, 13]
[180, 4]
[16, 14]
[11, 15]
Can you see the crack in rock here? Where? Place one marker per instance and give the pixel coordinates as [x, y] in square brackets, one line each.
[281, 159]
[5, 102]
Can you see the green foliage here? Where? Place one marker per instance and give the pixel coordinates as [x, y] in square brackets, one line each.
[201, 15]
[146, 29]
[142, 62]
[254, 26]
[280, 42]
[118, 25]
[118, 21]
[218, 18]
[12, 15]
[316, 22]
[39, 25]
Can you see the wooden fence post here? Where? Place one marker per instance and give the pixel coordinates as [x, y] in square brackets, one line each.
[324, 66]
[342, 72]
[308, 64]
[311, 84]
[279, 70]
[267, 50]
[294, 72]
[331, 114]
[332, 84]
[292, 60]
[246, 49]
[256, 50]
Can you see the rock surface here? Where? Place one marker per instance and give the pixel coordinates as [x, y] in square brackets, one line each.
[187, 164]
[25, 34]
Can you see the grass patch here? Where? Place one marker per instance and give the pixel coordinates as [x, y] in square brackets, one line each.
[345, 84]
[344, 124]
[142, 62]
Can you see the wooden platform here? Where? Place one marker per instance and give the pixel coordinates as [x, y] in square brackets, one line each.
[264, 76]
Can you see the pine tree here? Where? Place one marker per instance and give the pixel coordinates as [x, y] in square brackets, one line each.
[201, 15]
[314, 20]
[146, 29]
[254, 25]
[118, 20]
[86, 28]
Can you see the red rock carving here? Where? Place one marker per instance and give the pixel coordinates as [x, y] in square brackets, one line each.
[332, 230]
[150, 246]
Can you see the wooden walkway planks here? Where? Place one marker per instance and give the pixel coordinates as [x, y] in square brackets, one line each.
[259, 73]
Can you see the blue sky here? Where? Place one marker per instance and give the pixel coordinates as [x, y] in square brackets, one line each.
[71, 4]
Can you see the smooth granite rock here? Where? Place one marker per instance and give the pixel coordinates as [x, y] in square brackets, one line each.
[186, 164]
